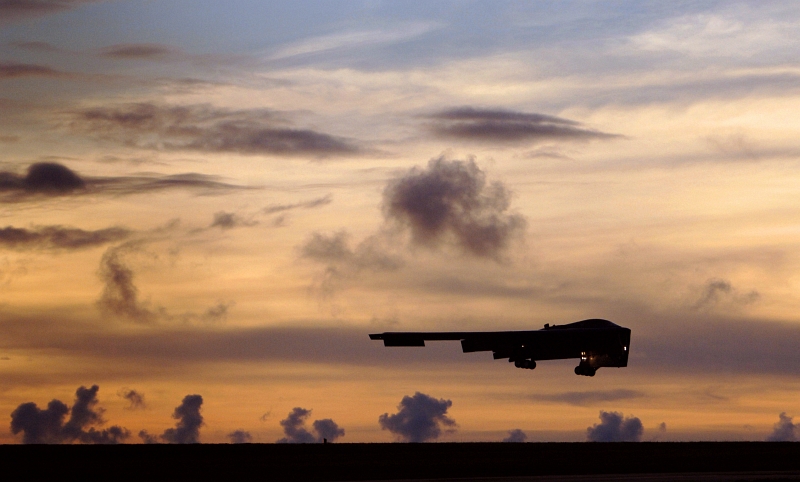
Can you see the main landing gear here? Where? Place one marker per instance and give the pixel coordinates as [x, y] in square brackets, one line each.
[529, 364]
[585, 370]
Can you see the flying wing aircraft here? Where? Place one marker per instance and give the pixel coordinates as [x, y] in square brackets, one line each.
[597, 343]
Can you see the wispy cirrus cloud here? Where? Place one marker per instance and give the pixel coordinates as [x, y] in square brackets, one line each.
[506, 126]
[59, 237]
[206, 128]
[14, 70]
[18, 9]
[138, 51]
[52, 180]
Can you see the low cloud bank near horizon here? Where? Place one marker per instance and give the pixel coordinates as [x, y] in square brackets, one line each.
[187, 428]
[47, 426]
[420, 418]
[784, 430]
[614, 428]
[295, 432]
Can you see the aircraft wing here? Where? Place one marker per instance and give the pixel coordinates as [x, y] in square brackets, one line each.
[598, 343]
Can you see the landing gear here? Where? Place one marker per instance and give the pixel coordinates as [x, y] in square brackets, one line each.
[529, 364]
[585, 370]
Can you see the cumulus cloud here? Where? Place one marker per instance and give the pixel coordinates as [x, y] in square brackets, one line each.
[135, 398]
[327, 430]
[207, 129]
[240, 437]
[451, 202]
[613, 428]
[51, 179]
[420, 418]
[497, 125]
[138, 51]
[13, 70]
[187, 430]
[589, 397]
[784, 430]
[515, 436]
[47, 426]
[717, 291]
[295, 432]
[58, 237]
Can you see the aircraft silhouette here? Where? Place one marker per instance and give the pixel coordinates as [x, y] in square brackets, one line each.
[598, 343]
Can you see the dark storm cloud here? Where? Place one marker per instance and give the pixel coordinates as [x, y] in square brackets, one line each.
[50, 179]
[450, 202]
[240, 437]
[515, 436]
[13, 70]
[613, 428]
[335, 249]
[314, 203]
[419, 418]
[14, 9]
[187, 430]
[295, 432]
[58, 237]
[138, 51]
[719, 290]
[208, 129]
[135, 398]
[588, 398]
[469, 123]
[784, 430]
[47, 426]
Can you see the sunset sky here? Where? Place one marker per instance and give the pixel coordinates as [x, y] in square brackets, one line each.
[225, 198]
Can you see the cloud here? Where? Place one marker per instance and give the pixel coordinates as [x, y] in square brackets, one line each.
[224, 220]
[296, 433]
[15, 9]
[419, 418]
[784, 430]
[590, 397]
[14, 70]
[515, 436]
[240, 437]
[314, 203]
[59, 237]
[120, 296]
[505, 126]
[47, 426]
[206, 128]
[327, 430]
[135, 398]
[718, 290]
[187, 430]
[138, 51]
[50, 179]
[613, 428]
[450, 202]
